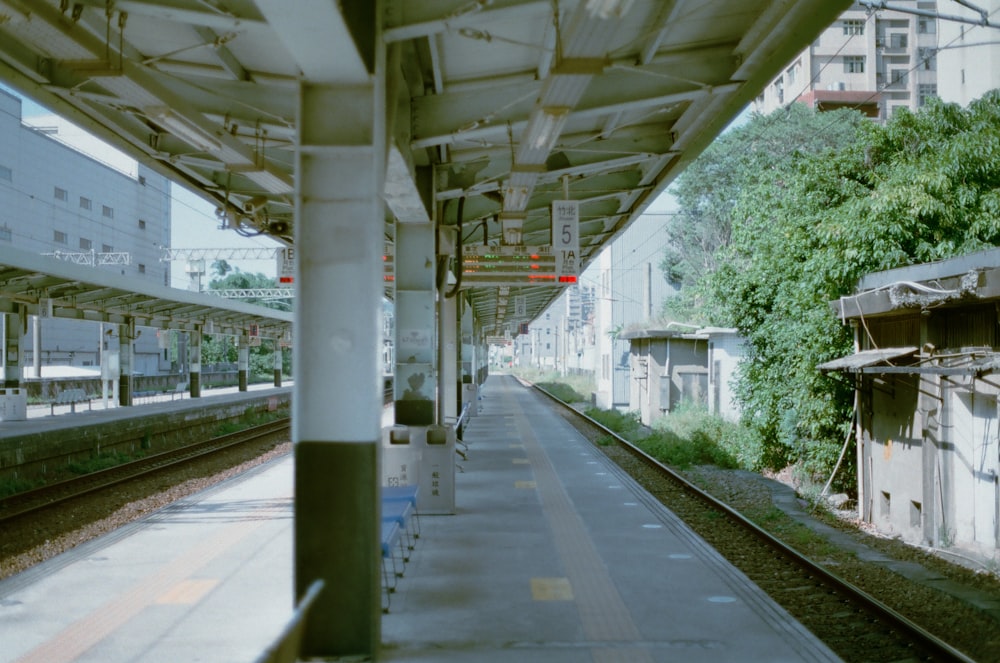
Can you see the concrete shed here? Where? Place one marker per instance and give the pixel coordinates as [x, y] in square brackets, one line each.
[669, 366]
[927, 377]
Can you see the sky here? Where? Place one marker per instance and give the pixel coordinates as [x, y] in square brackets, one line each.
[193, 220]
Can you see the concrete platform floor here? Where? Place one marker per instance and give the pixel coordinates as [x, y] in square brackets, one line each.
[553, 555]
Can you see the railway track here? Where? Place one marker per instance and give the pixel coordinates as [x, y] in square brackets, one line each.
[854, 624]
[31, 501]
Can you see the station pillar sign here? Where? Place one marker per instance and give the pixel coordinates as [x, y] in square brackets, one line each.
[286, 265]
[566, 239]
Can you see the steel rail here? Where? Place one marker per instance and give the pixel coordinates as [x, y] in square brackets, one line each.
[30, 501]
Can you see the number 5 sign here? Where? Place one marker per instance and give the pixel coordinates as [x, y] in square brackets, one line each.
[566, 238]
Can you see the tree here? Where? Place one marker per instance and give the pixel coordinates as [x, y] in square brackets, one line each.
[709, 189]
[925, 186]
[223, 349]
[221, 268]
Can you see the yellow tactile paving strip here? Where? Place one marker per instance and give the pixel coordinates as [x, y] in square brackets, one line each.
[171, 583]
[603, 614]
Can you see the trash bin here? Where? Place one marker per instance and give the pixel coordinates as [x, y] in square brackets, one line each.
[437, 472]
[400, 455]
[13, 404]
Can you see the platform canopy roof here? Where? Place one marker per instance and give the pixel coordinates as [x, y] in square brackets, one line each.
[505, 105]
[48, 286]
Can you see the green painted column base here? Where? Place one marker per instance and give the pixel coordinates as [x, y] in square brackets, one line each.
[338, 539]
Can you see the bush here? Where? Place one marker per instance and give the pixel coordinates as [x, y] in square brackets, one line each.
[563, 392]
[713, 439]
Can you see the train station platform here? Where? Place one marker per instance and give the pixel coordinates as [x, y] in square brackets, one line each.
[553, 555]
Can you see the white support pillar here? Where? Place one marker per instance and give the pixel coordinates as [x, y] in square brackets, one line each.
[337, 408]
[194, 362]
[126, 358]
[448, 387]
[414, 382]
[243, 361]
[36, 346]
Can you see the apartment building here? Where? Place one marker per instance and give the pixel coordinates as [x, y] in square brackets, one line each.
[875, 61]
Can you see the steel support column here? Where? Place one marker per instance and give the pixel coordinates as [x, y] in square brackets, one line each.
[278, 365]
[243, 361]
[36, 346]
[467, 356]
[126, 359]
[337, 405]
[194, 362]
[13, 330]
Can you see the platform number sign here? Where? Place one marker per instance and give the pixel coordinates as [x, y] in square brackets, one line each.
[566, 239]
[286, 265]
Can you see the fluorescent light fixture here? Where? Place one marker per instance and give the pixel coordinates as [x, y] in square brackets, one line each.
[184, 129]
[545, 127]
[515, 198]
[512, 226]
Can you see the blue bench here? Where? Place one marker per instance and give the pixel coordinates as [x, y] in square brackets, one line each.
[390, 539]
[70, 397]
[399, 522]
[404, 494]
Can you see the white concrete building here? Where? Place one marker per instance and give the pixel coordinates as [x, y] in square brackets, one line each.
[968, 55]
[631, 289]
[874, 61]
[53, 199]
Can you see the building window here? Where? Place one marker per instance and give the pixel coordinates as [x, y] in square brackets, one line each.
[897, 40]
[106, 248]
[107, 212]
[854, 64]
[925, 25]
[86, 244]
[60, 194]
[925, 92]
[928, 58]
[5, 233]
[899, 77]
[790, 74]
[142, 224]
[59, 237]
[84, 203]
[6, 174]
[142, 268]
[854, 26]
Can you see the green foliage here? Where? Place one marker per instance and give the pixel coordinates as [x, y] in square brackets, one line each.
[804, 224]
[250, 419]
[583, 385]
[689, 437]
[563, 392]
[100, 461]
[728, 444]
[625, 424]
[14, 485]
